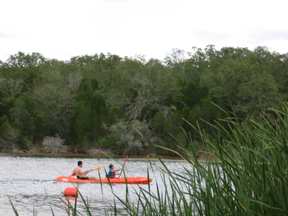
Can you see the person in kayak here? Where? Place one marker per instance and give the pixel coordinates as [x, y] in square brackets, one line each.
[111, 172]
[79, 173]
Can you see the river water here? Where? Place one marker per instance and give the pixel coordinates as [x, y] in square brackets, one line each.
[29, 183]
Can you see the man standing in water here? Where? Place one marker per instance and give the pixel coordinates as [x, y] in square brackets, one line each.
[79, 173]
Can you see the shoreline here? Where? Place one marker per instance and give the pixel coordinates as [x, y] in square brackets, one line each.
[78, 155]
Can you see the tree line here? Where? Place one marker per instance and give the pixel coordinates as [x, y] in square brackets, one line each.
[133, 105]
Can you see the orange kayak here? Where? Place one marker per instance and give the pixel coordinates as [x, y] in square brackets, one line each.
[116, 180]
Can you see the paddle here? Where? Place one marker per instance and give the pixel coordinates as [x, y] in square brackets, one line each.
[97, 168]
[123, 165]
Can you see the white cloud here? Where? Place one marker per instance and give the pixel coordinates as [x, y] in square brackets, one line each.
[65, 28]
[4, 35]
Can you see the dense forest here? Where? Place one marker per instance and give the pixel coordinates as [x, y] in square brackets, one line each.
[132, 105]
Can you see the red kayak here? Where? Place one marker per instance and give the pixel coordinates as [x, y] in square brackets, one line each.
[116, 180]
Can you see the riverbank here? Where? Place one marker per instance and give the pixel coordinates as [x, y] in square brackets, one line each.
[63, 151]
[85, 155]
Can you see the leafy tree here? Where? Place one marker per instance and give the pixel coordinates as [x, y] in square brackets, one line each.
[132, 103]
[90, 114]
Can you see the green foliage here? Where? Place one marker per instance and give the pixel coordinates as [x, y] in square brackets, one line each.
[94, 98]
[134, 137]
[90, 113]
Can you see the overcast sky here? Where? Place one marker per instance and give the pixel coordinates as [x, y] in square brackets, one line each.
[65, 28]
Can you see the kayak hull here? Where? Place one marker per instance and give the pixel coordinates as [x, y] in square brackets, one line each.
[116, 180]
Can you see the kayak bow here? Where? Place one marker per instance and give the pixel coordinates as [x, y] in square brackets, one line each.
[116, 180]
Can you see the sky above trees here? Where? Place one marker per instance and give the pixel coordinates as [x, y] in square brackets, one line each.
[66, 28]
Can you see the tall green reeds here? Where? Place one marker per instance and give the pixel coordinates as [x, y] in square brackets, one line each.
[247, 176]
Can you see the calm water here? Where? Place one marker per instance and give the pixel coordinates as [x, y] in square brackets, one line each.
[29, 183]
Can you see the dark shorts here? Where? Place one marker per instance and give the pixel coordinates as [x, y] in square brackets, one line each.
[82, 177]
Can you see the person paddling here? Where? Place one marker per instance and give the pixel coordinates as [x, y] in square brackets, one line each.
[79, 173]
[111, 172]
